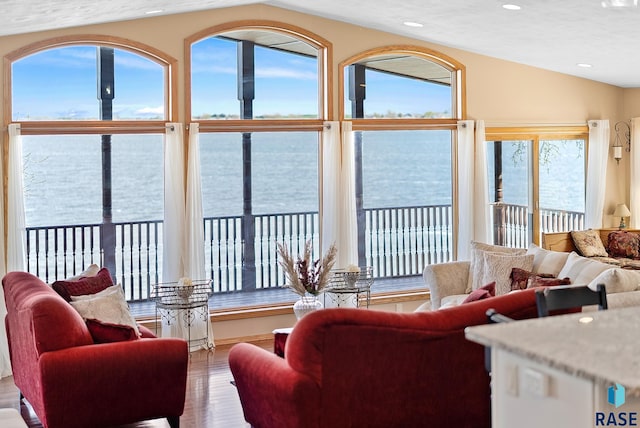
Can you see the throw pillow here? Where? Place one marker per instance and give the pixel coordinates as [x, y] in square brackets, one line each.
[537, 281]
[452, 301]
[91, 270]
[520, 278]
[107, 333]
[549, 262]
[617, 280]
[588, 243]
[84, 285]
[582, 270]
[621, 243]
[481, 293]
[498, 267]
[476, 267]
[107, 306]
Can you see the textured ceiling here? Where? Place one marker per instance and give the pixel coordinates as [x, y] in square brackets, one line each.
[545, 33]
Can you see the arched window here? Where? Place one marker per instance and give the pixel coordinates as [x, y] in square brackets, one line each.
[92, 112]
[258, 91]
[404, 102]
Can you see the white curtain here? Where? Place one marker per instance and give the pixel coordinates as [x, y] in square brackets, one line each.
[194, 235]
[348, 218]
[465, 169]
[339, 223]
[18, 260]
[16, 233]
[599, 134]
[634, 201]
[338, 193]
[194, 246]
[473, 192]
[481, 207]
[173, 235]
[174, 221]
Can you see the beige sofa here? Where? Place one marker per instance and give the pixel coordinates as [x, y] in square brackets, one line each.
[450, 283]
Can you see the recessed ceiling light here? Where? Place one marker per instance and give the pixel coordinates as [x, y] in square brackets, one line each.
[413, 24]
[583, 65]
[153, 12]
[509, 6]
[620, 3]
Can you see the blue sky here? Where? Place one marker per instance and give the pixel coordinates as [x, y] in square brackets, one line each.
[61, 84]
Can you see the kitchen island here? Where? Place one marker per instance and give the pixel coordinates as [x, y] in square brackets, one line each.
[565, 371]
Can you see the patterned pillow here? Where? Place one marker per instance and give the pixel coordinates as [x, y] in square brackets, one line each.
[520, 278]
[83, 286]
[498, 267]
[476, 267]
[588, 243]
[536, 281]
[621, 243]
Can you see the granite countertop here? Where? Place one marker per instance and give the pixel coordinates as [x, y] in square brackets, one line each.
[604, 350]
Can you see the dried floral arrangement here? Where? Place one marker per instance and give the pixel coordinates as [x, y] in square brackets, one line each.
[305, 275]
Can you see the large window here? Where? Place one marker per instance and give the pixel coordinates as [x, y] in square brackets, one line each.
[259, 96]
[276, 202]
[92, 116]
[273, 74]
[536, 185]
[69, 89]
[404, 103]
[406, 199]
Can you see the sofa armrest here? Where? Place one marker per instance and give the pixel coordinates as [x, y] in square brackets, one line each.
[142, 379]
[446, 279]
[271, 392]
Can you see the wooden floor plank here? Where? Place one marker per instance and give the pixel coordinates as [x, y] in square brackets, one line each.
[211, 401]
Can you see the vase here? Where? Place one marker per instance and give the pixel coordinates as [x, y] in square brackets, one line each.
[306, 304]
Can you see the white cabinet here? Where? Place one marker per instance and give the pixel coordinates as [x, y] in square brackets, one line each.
[559, 371]
[526, 394]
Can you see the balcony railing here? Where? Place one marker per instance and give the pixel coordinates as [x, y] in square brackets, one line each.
[399, 241]
[512, 223]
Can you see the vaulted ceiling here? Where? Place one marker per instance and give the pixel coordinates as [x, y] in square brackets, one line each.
[548, 34]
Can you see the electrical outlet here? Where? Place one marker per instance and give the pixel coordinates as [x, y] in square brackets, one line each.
[536, 383]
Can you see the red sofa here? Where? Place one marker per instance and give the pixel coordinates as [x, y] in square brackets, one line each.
[366, 368]
[73, 383]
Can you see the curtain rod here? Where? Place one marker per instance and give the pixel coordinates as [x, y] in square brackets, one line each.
[27, 128]
[488, 124]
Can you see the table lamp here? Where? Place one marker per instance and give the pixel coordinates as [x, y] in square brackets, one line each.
[622, 211]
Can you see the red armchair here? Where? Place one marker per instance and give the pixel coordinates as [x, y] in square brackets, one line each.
[366, 368]
[73, 383]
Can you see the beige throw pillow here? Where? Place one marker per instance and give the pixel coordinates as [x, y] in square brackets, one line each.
[546, 261]
[107, 306]
[582, 270]
[588, 243]
[498, 266]
[476, 267]
[617, 280]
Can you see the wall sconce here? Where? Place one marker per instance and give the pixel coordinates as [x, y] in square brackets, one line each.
[623, 137]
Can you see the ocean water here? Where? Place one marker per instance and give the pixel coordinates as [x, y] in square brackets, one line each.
[408, 168]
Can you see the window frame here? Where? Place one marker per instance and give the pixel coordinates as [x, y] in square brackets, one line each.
[256, 125]
[94, 126]
[536, 134]
[458, 112]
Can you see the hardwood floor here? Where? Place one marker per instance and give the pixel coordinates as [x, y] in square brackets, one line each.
[211, 402]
